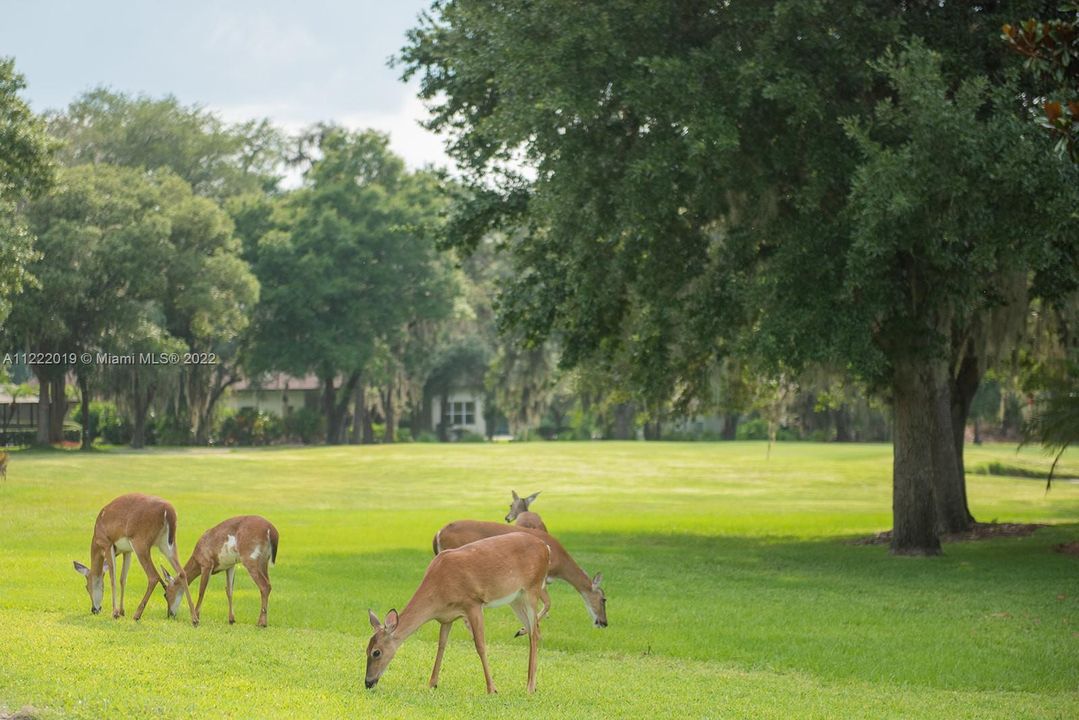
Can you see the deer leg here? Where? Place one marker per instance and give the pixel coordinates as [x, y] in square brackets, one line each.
[443, 636]
[525, 609]
[546, 600]
[151, 576]
[263, 581]
[174, 560]
[112, 579]
[204, 580]
[230, 577]
[475, 622]
[123, 580]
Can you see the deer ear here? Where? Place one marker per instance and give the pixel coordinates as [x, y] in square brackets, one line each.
[391, 620]
[597, 580]
[374, 619]
[81, 569]
[165, 574]
[531, 499]
[514, 492]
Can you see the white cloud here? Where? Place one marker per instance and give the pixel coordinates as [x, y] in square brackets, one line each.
[415, 144]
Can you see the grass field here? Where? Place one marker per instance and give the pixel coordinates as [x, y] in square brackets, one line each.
[732, 590]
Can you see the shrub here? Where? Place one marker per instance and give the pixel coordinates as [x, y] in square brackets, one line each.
[426, 436]
[105, 422]
[756, 429]
[467, 436]
[251, 427]
[305, 425]
[403, 435]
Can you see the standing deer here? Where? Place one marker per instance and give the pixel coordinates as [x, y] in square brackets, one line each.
[504, 570]
[3, 464]
[247, 539]
[133, 524]
[563, 567]
[519, 511]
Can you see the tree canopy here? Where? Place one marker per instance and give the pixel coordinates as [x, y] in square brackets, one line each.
[693, 181]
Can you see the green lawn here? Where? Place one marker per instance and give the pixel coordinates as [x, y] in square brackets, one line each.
[732, 590]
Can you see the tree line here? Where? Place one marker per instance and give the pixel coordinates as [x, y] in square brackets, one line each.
[680, 208]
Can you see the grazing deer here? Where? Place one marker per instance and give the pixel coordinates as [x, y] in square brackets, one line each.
[247, 539]
[133, 524]
[503, 570]
[563, 566]
[3, 464]
[519, 511]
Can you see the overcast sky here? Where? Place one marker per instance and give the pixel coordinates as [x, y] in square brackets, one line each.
[294, 62]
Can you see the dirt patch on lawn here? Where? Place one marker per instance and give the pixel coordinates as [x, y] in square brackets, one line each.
[980, 531]
[1071, 548]
[27, 713]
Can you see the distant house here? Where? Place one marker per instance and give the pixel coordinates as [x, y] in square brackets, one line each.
[277, 394]
[463, 412]
[18, 416]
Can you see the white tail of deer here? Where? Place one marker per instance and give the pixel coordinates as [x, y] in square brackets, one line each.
[563, 566]
[247, 540]
[504, 570]
[132, 524]
[519, 511]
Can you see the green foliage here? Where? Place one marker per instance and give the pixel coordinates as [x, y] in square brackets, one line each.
[25, 171]
[1051, 52]
[250, 427]
[305, 425]
[216, 159]
[349, 263]
[106, 423]
[954, 196]
[693, 182]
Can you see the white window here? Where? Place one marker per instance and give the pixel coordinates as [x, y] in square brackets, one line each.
[461, 413]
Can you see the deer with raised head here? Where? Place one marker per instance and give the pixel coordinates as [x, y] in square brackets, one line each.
[460, 583]
[563, 566]
[519, 511]
[133, 524]
[3, 464]
[247, 540]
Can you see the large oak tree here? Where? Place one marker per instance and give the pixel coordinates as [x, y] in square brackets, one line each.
[698, 180]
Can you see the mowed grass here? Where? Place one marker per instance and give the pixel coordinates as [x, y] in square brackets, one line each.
[733, 590]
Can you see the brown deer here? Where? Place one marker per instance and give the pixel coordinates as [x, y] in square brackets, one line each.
[503, 570]
[519, 511]
[133, 524]
[3, 464]
[249, 540]
[563, 567]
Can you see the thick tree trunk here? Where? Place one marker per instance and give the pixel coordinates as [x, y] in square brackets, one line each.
[730, 426]
[914, 527]
[949, 493]
[336, 409]
[964, 387]
[84, 394]
[43, 410]
[842, 424]
[624, 414]
[58, 408]
[359, 413]
[390, 409]
[444, 415]
[141, 410]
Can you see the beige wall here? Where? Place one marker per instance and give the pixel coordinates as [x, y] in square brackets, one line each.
[478, 426]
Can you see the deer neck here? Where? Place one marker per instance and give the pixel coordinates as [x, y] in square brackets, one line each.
[565, 568]
[419, 610]
[97, 560]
